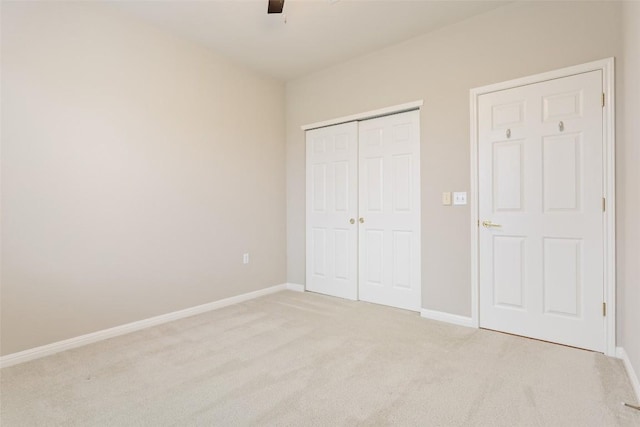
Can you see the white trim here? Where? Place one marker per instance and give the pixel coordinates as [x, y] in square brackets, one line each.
[56, 347]
[473, 208]
[633, 377]
[447, 317]
[296, 287]
[366, 115]
[608, 118]
[609, 152]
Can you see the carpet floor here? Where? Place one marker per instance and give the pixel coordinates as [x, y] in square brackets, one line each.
[302, 359]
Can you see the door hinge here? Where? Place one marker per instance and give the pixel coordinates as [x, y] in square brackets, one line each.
[603, 99]
[604, 308]
[604, 204]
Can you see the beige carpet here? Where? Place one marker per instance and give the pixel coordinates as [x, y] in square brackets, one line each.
[304, 359]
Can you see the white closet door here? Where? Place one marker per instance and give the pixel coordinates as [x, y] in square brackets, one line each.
[332, 209]
[389, 205]
[540, 198]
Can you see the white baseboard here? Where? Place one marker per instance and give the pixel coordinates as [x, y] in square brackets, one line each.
[635, 382]
[295, 287]
[447, 317]
[56, 347]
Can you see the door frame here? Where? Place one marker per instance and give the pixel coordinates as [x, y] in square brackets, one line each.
[607, 66]
[386, 111]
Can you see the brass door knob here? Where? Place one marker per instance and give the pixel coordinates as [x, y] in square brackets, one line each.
[361, 220]
[352, 221]
[489, 224]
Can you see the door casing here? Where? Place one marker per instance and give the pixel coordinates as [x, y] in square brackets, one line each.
[608, 138]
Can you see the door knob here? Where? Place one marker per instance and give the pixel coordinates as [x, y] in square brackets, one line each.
[489, 224]
[361, 220]
[352, 221]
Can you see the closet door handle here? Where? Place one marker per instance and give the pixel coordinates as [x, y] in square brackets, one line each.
[361, 220]
[352, 221]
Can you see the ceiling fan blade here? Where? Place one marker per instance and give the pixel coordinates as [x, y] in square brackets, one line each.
[275, 6]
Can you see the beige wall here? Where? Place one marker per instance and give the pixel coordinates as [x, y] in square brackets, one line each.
[628, 180]
[136, 170]
[440, 68]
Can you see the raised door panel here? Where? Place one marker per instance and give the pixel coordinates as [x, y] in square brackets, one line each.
[342, 186]
[562, 106]
[508, 190]
[509, 271]
[373, 183]
[401, 186]
[373, 258]
[563, 273]
[402, 259]
[319, 252]
[562, 171]
[511, 114]
[319, 188]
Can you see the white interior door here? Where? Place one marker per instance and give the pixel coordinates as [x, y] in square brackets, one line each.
[540, 199]
[332, 209]
[389, 210]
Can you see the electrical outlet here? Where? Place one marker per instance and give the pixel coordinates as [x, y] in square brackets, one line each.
[245, 258]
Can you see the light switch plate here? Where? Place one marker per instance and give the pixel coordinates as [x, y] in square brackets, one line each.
[460, 198]
[446, 198]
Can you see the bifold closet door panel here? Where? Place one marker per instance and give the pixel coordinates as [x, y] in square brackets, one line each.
[332, 209]
[389, 210]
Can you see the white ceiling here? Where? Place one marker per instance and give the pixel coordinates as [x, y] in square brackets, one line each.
[317, 34]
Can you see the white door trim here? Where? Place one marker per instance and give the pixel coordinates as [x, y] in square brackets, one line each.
[394, 109]
[608, 137]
